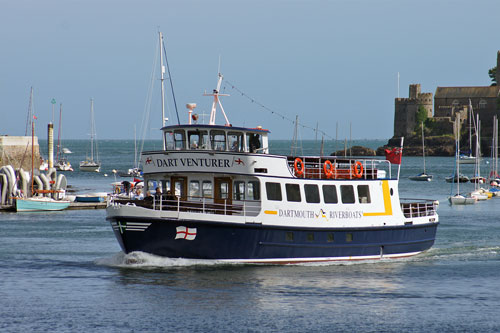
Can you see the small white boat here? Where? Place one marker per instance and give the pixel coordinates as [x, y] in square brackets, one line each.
[63, 165]
[66, 151]
[40, 204]
[467, 159]
[459, 199]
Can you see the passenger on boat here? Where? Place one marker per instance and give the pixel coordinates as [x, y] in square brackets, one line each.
[254, 143]
[170, 200]
[138, 195]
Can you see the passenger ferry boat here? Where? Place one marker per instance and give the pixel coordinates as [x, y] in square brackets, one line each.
[233, 200]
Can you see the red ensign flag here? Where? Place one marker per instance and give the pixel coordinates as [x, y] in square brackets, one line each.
[393, 156]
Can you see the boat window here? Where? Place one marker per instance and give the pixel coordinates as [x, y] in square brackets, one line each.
[312, 193]
[235, 141]
[273, 191]
[198, 139]
[239, 190]
[253, 190]
[169, 139]
[179, 139]
[179, 188]
[349, 237]
[293, 192]
[207, 189]
[347, 194]
[289, 236]
[310, 237]
[164, 185]
[254, 142]
[218, 140]
[330, 194]
[364, 194]
[223, 190]
[194, 189]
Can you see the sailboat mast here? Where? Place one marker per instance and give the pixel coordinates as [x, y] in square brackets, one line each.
[59, 133]
[92, 129]
[457, 179]
[32, 155]
[423, 146]
[162, 78]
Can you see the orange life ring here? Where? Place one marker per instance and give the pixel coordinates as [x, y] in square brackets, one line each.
[328, 169]
[358, 172]
[298, 171]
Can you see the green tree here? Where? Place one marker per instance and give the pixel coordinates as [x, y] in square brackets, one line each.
[492, 73]
[421, 114]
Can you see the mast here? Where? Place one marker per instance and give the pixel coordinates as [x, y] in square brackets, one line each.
[423, 147]
[92, 129]
[457, 179]
[216, 94]
[59, 133]
[162, 78]
[32, 155]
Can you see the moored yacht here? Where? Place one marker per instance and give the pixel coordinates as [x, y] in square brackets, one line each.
[225, 196]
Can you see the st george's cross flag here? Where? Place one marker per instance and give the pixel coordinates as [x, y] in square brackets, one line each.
[185, 233]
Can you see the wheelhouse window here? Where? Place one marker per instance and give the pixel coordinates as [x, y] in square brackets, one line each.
[198, 139]
[179, 139]
[169, 140]
[330, 194]
[364, 194]
[254, 142]
[207, 189]
[312, 193]
[347, 194]
[293, 192]
[218, 140]
[239, 190]
[235, 141]
[253, 190]
[273, 191]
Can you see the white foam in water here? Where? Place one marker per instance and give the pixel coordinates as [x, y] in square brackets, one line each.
[145, 260]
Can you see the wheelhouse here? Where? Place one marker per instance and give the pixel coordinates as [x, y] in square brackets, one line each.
[216, 138]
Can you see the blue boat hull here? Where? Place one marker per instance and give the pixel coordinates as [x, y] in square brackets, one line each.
[89, 199]
[257, 243]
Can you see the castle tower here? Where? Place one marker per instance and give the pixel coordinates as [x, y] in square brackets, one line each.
[406, 109]
[498, 68]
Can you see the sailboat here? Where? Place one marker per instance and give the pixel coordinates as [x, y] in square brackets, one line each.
[90, 164]
[469, 158]
[423, 176]
[62, 163]
[459, 199]
[38, 203]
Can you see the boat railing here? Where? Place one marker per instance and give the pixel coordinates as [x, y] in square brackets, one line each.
[419, 207]
[194, 204]
[338, 168]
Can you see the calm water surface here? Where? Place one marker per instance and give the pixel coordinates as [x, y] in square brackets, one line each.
[64, 271]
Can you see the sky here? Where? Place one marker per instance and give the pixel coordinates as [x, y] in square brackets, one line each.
[334, 64]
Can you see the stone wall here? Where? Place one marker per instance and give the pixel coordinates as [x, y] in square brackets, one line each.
[16, 151]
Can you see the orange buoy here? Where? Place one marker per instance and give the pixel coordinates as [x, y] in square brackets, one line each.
[357, 169]
[299, 171]
[328, 169]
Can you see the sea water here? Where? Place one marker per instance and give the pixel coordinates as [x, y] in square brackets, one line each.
[64, 272]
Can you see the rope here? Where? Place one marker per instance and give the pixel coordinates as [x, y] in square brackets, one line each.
[276, 113]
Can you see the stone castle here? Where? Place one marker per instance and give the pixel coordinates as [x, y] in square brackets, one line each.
[448, 102]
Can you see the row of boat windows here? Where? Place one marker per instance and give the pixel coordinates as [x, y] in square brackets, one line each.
[241, 190]
[312, 193]
[310, 237]
[213, 140]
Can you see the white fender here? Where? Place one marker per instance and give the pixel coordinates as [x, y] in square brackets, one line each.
[11, 175]
[52, 174]
[39, 185]
[3, 188]
[23, 181]
[46, 184]
[61, 185]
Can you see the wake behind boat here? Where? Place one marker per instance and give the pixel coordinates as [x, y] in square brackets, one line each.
[226, 197]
